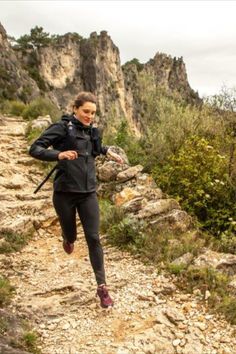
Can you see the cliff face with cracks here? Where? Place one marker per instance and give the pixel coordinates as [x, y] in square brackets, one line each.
[71, 64]
[14, 80]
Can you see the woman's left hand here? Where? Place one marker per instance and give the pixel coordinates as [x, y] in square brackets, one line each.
[115, 157]
[118, 158]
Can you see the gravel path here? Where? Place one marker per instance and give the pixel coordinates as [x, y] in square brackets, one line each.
[57, 291]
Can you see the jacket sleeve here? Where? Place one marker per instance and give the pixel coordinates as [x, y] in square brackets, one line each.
[96, 138]
[39, 149]
[104, 149]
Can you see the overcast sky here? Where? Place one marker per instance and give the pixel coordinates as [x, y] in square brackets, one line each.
[202, 32]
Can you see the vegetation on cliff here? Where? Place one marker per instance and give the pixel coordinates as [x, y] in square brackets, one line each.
[190, 151]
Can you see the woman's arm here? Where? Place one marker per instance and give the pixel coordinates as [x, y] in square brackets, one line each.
[114, 156]
[39, 149]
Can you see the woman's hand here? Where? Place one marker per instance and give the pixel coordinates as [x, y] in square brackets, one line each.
[68, 155]
[114, 156]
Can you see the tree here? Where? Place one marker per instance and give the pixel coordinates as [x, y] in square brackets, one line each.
[23, 42]
[37, 38]
[225, 101]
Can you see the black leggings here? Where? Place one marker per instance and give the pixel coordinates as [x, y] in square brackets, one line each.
[86, 204]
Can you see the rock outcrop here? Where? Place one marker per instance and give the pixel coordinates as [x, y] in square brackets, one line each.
[15, 82]
[71, 64]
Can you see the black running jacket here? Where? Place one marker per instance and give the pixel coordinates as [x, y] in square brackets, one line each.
[70, 134]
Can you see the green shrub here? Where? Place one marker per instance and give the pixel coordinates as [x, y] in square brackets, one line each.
[14, 108]
[30, 341]
[125, 233]
[34, 73]
[32, 134]
[135, 62]
[164, 247]
[110, 215]
[39, 107]
[167, 121]
[17, 108]
[13, 242]
[227, 307]
[5, 106]
[4, 325]
[216, 283]
[151, 244]
[206, 279]
[227, 242]
[6, 292]
[176, 269]
[121, 231]
[123, 138]
[197, 177]
[23, 337]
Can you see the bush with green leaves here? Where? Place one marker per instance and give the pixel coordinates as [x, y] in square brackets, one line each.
[121, 230]
[39, 107]
[217, 283]
[14, 108]
[227, 240]
[29, 342]
[13, 242]
[197, 177]
[6, 292]
[127, 234]
[148, 241]
[125, 139]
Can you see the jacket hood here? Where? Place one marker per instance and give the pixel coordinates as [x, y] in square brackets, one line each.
[71, 118]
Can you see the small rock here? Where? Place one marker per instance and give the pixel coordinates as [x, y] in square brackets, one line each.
[66, 326]
[174, 315]
[202, 326]
[176, 342]
[207, 294]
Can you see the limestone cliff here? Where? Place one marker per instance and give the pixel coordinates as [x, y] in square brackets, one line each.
[14, 80]
[71, 64]
[91, 64]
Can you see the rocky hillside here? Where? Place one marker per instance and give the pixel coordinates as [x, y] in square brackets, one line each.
[71, 64]
[56, 292]
[15, 82]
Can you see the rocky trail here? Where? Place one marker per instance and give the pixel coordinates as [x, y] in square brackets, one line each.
[56, 292]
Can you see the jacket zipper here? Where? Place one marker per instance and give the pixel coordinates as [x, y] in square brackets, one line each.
[86, 162]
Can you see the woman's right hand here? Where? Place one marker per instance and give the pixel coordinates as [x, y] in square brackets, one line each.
[68, 155]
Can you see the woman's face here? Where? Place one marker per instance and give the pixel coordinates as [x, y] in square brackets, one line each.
[85, 113]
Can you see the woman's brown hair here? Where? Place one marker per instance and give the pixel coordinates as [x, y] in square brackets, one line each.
[84, 97]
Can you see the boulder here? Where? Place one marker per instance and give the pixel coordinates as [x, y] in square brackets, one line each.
[149, 192]
[129, 173]
[134, 205]
[176, 220]
[158, 207]
[108, 171]
[41, 122]
[224, 262]
[185, 259]
[126, 195]
[146, 180]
